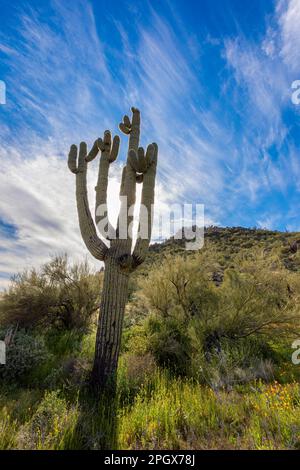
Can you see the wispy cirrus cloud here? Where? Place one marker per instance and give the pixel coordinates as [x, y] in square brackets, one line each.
[263, 71]
[289, 18]
[63, 90]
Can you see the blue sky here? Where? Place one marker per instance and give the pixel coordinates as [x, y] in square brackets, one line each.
[212, 80]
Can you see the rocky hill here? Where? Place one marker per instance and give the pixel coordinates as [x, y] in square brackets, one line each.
[231, 240]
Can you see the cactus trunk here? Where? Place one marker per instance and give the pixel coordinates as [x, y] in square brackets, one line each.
[110, 322]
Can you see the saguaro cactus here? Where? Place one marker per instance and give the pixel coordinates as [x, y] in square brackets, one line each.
[119, 257]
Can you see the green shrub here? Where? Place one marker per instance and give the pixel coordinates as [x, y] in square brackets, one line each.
[191, 315]
[236, 362]
[25, 352]
[133, 373]
[59, 294]
[170, 344]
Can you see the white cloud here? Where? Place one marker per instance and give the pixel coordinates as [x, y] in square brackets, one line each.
[38, 197]
[289, 21]
[267, 223]
[262, 73]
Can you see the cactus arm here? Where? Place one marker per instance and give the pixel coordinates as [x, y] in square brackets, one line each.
[131, 128]
[109, 153]
[146, 211]
[134, 137]
[123, 181]
[87, 228]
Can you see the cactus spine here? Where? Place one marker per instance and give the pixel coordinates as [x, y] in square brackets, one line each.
[119, 258]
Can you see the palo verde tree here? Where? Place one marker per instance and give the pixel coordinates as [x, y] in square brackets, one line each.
[119, 256]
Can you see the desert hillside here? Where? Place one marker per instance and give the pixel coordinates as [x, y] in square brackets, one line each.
[206, 356]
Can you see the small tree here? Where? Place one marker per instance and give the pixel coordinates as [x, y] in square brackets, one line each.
[118, 257]
[258, 299]
[59, 294]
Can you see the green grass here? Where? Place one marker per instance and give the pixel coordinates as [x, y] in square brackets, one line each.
[166, 413]
[182, 415]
